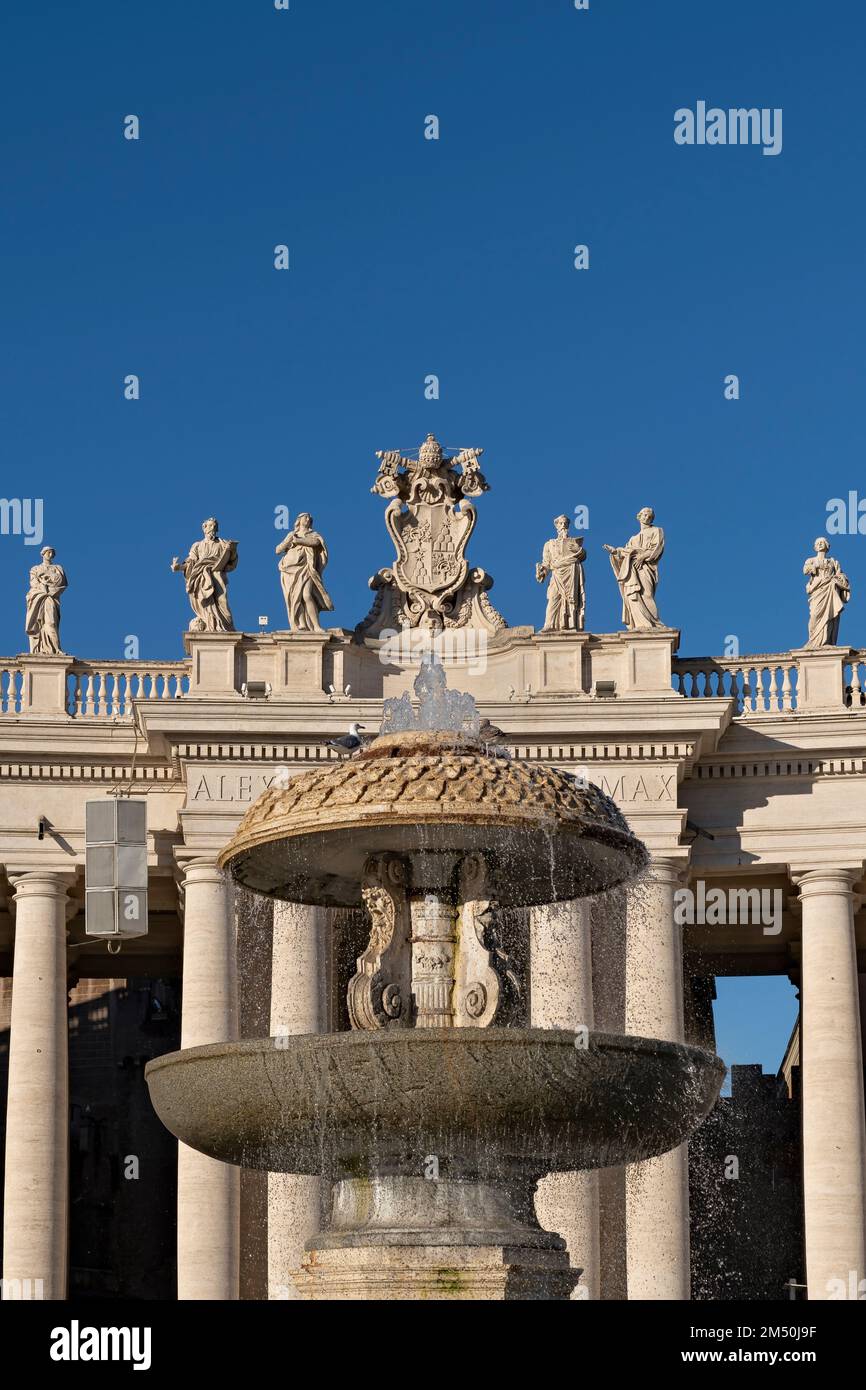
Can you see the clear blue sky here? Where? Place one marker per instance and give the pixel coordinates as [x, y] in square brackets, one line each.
[408, 257]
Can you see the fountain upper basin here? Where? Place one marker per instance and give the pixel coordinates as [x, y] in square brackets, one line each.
[550, 837]
[484, 1101]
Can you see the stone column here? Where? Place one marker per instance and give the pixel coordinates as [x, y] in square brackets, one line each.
[657, 1191]
[834, 1134]
[297, 1006]
[434, 938]
[36, 1202]
[561, 997]
[208, 1192]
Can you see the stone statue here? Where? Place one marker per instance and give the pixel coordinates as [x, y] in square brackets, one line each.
[305, 555]
[828, 590]
[636, 566]
[430, 519]
[42, 623]
[562, 562]
[205, 570]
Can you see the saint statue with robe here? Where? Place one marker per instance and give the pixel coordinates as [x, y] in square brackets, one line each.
[636, 567]
[562, 563]
[827, 590]
[205, 570]
[305, 555]
[42, 620]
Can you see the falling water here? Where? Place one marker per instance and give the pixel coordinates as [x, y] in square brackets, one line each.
[495, 1107]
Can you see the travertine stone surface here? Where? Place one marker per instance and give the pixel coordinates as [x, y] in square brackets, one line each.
[297, 1006]
[434, 1237]
[561, 997]
[657, 1191]
[36, 1197]
[834, 1132]
[208, 1192]
[468, 1273]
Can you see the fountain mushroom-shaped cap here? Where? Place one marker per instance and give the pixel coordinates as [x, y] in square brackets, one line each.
[547, 835]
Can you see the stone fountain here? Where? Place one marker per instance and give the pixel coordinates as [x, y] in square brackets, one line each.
[433, 1119]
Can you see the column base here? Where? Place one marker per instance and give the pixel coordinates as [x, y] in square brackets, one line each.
[492, 1273]
[404, 1238]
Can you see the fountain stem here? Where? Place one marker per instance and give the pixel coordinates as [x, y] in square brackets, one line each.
[434, 920]
[434, 940]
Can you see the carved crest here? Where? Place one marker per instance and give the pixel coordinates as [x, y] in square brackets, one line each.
[379, 995]
[486, 986]
[430, 520]
[430, 540]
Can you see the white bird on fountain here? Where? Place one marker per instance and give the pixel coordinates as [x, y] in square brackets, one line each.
[350, 743]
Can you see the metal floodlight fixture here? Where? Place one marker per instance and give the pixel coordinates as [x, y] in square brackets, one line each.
[115, 880]
[605, 690]
[256, 690]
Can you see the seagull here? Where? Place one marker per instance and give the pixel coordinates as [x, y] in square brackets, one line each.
[350, 743]
[489, 734]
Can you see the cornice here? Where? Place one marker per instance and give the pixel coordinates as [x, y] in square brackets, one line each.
[62, 771]
[545, 748]
[791, 765]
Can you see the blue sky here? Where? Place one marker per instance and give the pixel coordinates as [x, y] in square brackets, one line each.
[262, 388]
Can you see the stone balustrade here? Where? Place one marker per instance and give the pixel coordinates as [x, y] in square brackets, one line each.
[11, 685]
[305, 666]
[855, 680]
[86, 689]
[824, 678]
[107, 689]
[760, 684]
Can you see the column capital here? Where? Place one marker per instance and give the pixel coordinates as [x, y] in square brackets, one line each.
[669, 869]
[30, 882]
[824, 879]
[200, 872]
[198, 865]
[204, 866]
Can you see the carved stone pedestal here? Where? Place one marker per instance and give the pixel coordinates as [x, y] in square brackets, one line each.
[405, 1237]
[434, 958]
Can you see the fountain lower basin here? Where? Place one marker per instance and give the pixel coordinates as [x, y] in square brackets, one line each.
[483, 1101]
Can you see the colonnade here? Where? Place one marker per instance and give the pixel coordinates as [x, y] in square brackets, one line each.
[656, 1217]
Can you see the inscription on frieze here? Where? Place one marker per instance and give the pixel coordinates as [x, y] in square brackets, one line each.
[233, 786]
[204, 787]
[627, 788]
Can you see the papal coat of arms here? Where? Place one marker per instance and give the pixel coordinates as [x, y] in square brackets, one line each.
[430, 519]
